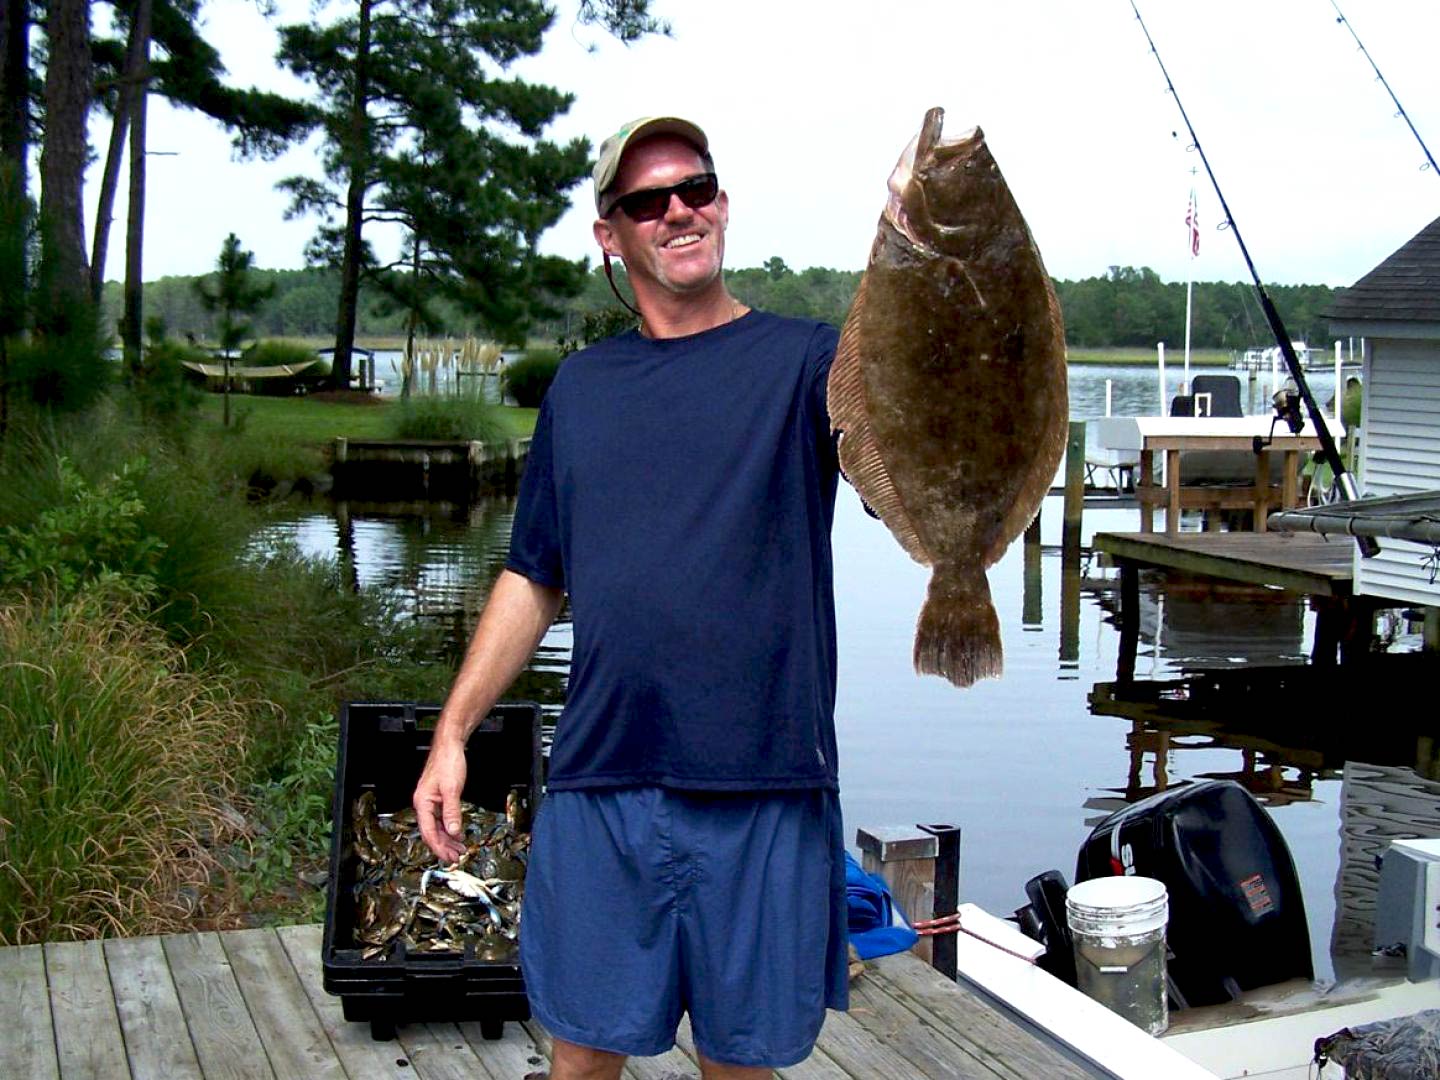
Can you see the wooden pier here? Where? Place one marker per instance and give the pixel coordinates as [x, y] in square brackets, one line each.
[1309, 565]
[249, 1004]
[381, 469]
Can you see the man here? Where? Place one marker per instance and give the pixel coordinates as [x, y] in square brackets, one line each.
[687, 857]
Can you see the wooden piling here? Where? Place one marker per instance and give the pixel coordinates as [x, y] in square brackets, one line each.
[1032, 613]
[1070, 543]
[904, 858]
[1074, 491]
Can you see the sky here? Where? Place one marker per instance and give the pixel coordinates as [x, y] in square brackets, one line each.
[808, 106]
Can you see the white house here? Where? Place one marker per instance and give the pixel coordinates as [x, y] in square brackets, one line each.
[1396, 308]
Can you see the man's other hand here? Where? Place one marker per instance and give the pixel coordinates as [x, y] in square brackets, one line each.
[437, 799]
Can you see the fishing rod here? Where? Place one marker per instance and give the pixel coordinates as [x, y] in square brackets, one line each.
[1399, 109]
[1285, 408]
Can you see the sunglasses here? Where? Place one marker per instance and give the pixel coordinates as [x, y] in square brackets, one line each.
[651, 203]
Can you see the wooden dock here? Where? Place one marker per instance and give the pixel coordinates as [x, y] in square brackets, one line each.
[1317, 567]
[1301, 562]
[381, 469]
[249, 1005]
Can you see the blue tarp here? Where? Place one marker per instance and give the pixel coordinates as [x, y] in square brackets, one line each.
[877, 925]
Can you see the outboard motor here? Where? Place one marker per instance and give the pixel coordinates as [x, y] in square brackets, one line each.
[1237, 919]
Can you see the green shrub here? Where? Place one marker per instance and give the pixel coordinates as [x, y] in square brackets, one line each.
[275, 353]
[115, 770]
[452, 418]
[292, 813]
[67, 368]
[162, 389]
[527, 379]
[596, 326]
[93, 531]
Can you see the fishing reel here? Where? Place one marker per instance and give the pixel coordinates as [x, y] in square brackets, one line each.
[1286, 405]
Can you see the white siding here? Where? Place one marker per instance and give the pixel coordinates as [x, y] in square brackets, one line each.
[1401, 456]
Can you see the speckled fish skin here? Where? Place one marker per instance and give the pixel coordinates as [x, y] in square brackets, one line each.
[949, 387]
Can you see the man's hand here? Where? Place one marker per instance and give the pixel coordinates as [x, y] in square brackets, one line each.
[437, 799]
[515, 618]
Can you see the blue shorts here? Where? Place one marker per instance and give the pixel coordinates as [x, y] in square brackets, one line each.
[643, 903]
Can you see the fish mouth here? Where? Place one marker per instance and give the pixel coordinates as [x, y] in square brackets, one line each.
[903, 175]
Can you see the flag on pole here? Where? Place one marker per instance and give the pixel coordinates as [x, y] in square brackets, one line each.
[1192, 222]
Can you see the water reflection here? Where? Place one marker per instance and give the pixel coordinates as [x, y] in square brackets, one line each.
[436, 561]
[1195, 623]
[1288, 735]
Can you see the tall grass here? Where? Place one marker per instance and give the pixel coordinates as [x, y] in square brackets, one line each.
[152, 658]
[437, 417]
[117, 768]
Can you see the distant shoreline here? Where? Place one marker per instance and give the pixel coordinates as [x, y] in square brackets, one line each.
[1120, 357]
[1147, 357]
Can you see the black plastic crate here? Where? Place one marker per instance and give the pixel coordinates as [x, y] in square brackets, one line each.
[382, 748]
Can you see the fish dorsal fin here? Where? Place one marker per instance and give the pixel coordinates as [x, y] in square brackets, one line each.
[860, 458]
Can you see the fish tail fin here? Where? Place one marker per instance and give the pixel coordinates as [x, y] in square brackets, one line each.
[958, 635]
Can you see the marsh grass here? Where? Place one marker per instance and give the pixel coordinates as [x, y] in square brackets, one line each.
[435, 417]
[1147, 357]
[140, 700]
[118, 766]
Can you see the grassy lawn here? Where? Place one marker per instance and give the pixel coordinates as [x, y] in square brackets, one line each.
[1146, 357]
[290, 437]
[316, 422]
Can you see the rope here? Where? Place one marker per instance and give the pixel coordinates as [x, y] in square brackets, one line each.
[950, 924]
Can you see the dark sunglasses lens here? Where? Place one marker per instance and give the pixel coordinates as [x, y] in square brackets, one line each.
[645, 205]
[698, 191]
[648, 205]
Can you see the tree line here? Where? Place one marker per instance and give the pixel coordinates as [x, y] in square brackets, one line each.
[1125, 307]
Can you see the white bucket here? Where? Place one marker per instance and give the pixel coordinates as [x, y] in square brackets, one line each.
[1118, 924]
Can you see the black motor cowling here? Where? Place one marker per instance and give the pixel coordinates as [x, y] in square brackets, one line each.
[1237, 919]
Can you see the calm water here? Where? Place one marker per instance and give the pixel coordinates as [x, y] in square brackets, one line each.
[1021, 763]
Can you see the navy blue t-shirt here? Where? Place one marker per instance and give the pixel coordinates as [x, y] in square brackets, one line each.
[682, 492]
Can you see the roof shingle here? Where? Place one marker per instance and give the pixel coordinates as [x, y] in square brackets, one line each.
[1405, 286]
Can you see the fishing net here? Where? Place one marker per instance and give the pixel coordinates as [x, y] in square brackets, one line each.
[1407, 1048]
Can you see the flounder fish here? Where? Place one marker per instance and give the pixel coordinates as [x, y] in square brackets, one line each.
[948, 387]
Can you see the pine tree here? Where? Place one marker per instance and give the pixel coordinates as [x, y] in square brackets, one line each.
[235, 295]
[421, 128]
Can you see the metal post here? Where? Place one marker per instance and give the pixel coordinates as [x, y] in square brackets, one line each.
[947, 893]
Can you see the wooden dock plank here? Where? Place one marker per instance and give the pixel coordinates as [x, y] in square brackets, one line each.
[509, 1057]
[252, 1005]
[972, 1021]
[359, 1054]
[860, 1054]
[88, 1042]
[1301, 562]
[224, 1036]
[929, 1047]
[157, 1041]
[28, 1046]
[294, 1041]
[440, 1052]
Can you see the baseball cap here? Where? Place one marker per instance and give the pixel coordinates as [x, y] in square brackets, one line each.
[613, 148]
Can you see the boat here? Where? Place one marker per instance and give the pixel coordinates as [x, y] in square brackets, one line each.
[1243, 1001]
[1264, 358]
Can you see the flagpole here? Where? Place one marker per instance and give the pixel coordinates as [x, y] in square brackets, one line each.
[1192, 223]
[1189, 290]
